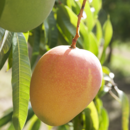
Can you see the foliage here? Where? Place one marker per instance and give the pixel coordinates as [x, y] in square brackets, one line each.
[59, 29]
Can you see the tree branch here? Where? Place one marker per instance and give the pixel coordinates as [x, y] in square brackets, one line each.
[73, 45]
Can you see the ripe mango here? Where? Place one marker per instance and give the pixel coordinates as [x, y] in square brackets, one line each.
[63, 83]
[24, 15]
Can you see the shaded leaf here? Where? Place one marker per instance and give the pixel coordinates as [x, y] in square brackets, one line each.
[6, 118]
[36, 45]
[5, 47]
[63, 127]
[53, 31]
[91, 117]
[2, 5]
[21, 74]
[2, 32]
[10, 59]
[125, 109]
[11, 127]
[77, 122]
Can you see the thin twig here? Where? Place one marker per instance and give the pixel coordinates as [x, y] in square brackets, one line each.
[114, 96]
[73, 45]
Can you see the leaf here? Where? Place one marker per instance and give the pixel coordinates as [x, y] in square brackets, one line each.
[105, 70]
[104, 120]
[11, 127]
[2, 32]
[91, 115]
[102, 114]
[36, 45]
[98, 32]
[89, 19]
[26, 35]
[63, 127]
[9, 60]
[77, 122]
[21, 75]
[5, 119]
[97, 4]
[69, 19]
[53, 31]
[125, 109]
[108, 32]
[93, 47]
[5, 47]
[35, 123]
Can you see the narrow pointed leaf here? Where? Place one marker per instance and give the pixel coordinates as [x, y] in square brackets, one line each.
[11, 127]
[5, 47]
[91, 117]
[69, 19]
[2, 32]
[5, 119]
[89, 19]
[104, 120]
[53, 31]
[34, 123]
[36, 45]
[63, 127]
[98, 32]
[21, 74]
[125, 109]
[108, 32]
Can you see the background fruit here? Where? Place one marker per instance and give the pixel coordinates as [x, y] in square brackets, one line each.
[24, 15]
[64, 82]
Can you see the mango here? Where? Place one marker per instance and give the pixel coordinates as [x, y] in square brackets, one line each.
[63, 83]
[23, 15]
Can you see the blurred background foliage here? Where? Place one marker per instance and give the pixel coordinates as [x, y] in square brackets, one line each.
[59, 29]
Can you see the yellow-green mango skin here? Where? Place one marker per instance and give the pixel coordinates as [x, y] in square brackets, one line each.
[24, 15]
[63, 83]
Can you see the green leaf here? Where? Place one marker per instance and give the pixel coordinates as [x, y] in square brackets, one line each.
[36, 45]
[35, 123]
[63, 127]
[10, 59]
[77, 122]
[93, 47]
[6, 118]
[102, 114]
[11, 127]
[21, 75]
[26, 35]
[125, 109]
[98, 32]
[53, 31]
[2, 32]
[108, 32]
[105, 70]
[69, 19]
[97, 4]
[91, 115]
[89, 19]
[5, 47]
[104, 120]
